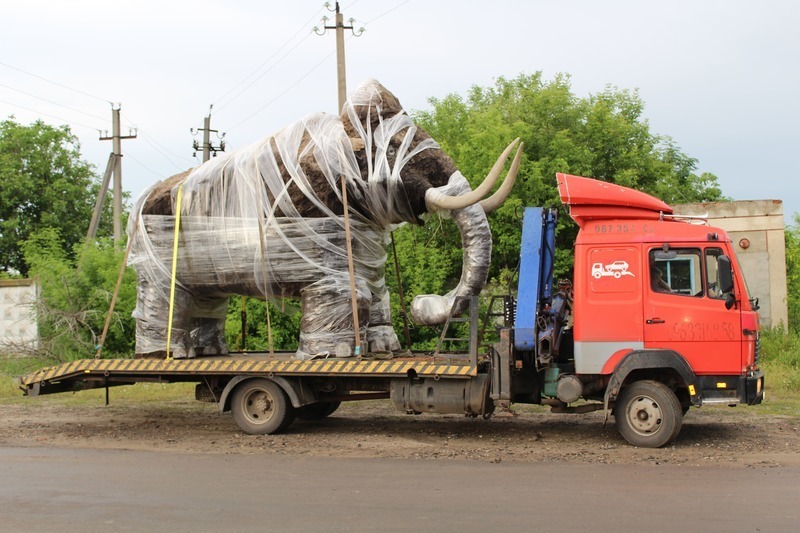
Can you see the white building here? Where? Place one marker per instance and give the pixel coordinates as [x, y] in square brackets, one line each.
[19, 331]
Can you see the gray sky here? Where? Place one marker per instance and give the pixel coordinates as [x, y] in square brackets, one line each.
[719, 77]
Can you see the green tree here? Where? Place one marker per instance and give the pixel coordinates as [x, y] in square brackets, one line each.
[76, 295]
[45, 185]
[603, 136]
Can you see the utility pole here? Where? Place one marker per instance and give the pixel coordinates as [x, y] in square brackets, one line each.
[340, 65]
[340, 27]
[101, 197]
[207, 147]
[116, 139]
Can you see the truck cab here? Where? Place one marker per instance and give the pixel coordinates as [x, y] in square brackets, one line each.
[657, 316]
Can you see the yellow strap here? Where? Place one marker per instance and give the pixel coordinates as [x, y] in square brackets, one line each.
[174, 265]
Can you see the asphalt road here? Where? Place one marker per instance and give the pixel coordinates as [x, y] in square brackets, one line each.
[52, 489]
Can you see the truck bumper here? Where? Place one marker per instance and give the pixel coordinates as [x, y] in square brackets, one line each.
[732, 390]
[754, 387]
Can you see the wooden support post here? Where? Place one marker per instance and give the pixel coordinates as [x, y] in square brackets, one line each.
[351, 270]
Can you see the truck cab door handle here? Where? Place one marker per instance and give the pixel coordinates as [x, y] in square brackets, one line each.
[655, 321]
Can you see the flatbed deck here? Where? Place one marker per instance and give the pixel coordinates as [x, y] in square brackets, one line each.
[93, 373]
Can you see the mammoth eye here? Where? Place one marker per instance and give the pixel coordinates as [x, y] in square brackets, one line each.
[391, 151]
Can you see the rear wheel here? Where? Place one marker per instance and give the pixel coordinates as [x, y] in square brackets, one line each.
[648, 414]
[261, 407]
[317, 411]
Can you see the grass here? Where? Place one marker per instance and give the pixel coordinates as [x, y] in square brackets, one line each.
[780, 360]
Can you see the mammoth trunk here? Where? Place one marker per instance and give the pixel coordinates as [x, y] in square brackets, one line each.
[476, 241]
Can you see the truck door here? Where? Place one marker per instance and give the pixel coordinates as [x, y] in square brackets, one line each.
[684, 310]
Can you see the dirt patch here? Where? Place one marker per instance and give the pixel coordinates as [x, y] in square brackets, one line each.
[710, 436]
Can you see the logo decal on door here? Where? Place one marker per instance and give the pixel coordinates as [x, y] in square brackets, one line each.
[617, 269]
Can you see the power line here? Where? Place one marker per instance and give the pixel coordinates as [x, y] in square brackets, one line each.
[287, 54]
[292, 86]
[128, 154]
[284, 45]
[51, 101]
[51, 116]
[149, 139]
[398, 6]
[56, 83]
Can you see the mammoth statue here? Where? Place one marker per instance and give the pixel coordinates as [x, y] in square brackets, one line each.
[267, 221]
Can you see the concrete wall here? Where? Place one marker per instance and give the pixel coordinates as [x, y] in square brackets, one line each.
[756, 228]
[19, 332]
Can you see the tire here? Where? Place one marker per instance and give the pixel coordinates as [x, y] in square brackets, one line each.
[261, 407]
[317, 411]
[648, 414]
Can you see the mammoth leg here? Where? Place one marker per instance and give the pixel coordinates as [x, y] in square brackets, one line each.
[380, 333]
[326, 328]
[208, 326]
[152, 316]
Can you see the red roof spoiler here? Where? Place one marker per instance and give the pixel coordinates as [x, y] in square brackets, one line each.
[590, 199]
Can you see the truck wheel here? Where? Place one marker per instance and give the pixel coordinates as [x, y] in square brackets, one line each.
[261, 407]
[648, 414]
[317, 411]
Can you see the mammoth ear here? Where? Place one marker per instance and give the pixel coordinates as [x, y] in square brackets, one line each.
[357, 143]
[370, 102]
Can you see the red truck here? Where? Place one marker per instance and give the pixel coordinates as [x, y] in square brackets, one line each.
[656, 319]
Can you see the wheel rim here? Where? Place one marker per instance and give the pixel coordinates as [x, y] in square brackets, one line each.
[257, 406]
[644, 415]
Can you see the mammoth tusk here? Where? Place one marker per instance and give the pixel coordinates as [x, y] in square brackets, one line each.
[494, 201]
[445, 202]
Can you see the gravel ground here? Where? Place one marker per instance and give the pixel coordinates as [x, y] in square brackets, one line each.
[732, 437]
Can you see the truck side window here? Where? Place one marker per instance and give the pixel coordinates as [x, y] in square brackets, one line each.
[677, 271]
[712, 274]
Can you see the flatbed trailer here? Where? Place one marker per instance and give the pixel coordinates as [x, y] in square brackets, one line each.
[266, 392]
[86, 374]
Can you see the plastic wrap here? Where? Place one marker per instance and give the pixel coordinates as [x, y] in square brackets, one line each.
[266, 221]
[476, 241]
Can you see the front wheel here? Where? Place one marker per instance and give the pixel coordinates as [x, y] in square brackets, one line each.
[261, 407]
[648, 414]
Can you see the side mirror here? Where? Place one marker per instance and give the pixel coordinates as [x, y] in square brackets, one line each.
[725, 273]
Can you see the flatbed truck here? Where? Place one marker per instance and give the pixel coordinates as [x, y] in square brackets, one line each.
[657, 319]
